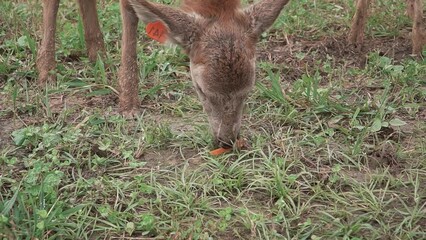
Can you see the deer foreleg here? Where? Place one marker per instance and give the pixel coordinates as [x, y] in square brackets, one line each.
[128, 73]
[92, 32]
[46, 53]
[419, 31]
[356, 35]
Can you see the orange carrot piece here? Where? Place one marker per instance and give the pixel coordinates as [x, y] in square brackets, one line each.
[239, 144]
[220, 151]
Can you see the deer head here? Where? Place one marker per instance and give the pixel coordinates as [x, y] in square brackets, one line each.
[220, 39]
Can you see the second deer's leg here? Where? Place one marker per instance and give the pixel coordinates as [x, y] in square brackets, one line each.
[410, 8]
[356, 35]
[46, 52]
[92, 31]
[419, 28]
[128, 73]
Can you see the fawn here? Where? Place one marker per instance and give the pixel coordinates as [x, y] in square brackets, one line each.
[218, 35]
[415, 12]
[220, 39]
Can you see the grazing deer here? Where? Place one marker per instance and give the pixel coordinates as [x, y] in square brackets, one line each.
[220, 38]
[415, 12]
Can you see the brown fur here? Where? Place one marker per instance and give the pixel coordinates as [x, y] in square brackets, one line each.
[212, 8]
[419, 27]
[128, 73]
[46, 52]
[220, 38]
[92, 32]
[414, 11]
[356, 34]
[410, 8]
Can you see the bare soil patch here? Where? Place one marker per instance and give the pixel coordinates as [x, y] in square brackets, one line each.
[283, 51]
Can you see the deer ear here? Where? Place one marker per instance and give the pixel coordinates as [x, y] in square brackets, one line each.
[263, 14]
[182, 28]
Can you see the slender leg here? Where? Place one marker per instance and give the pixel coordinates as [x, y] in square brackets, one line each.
[419, 31]
[128, 73]
[92, 31]
[46, 52]
[410, 8]
[356, 35]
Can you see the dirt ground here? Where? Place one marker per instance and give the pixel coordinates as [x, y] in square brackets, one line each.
[282, 51]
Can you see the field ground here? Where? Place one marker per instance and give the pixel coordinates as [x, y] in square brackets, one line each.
[337, 135]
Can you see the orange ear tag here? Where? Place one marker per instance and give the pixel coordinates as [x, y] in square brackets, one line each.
[157, 31]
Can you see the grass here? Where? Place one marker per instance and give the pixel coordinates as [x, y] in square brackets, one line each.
[338, 147]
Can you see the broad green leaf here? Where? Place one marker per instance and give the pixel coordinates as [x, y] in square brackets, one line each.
[396, 122]
[42, 213]
[146, 223]
[376, 126]
[22, 41]
[40, 225]
[19, 136]
[130, 227]
[99, 92]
